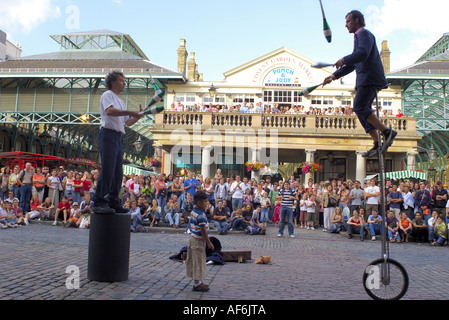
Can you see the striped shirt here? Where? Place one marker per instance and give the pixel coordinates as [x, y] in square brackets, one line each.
[286, 201]
[197, 220]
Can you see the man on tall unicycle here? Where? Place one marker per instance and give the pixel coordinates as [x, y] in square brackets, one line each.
[366, 61]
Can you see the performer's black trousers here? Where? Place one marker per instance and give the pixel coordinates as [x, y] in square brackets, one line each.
[110, 145]
[363, 105]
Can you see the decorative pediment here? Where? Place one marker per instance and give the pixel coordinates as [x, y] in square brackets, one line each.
[281, 68]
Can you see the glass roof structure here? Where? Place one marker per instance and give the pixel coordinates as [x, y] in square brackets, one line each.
[426, 97]
[60, 90]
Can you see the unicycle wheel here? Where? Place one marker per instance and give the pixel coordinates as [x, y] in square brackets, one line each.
[381, 286]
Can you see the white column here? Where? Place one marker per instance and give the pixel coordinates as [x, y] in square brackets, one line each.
[255, 157]
[360, 174]
[206, 163]
[167, 165]
[411, 162]
[310, 157]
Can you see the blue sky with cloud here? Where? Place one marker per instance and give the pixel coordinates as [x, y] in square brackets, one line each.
[226, 34]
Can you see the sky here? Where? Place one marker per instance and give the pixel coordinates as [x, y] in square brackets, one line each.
[227, 34]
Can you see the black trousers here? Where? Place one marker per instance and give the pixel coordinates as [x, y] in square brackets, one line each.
[110, 144]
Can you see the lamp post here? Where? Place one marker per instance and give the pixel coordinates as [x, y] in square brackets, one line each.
[212, 91]
[138, 145]
[44, 137]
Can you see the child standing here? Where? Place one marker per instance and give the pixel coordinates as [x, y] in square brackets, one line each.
[196, 250]
[247, 197]
[310, 204]
[266, 205]
[277, 213]
[303, 210]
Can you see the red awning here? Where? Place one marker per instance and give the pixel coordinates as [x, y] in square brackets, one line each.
[19, 158]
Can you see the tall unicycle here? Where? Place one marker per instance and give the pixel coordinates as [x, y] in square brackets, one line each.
[384, 278]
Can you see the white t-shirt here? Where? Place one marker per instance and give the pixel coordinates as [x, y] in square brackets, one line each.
[109, 99]
[372, 200]
[238, 193]
[310, 206]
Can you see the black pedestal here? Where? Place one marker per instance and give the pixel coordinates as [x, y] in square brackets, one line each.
[109, 243]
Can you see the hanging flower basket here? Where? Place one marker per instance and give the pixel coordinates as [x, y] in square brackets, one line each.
[310, 167]
[254, 166]
[152, 163]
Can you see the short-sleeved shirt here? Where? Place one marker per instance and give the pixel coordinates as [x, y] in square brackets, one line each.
[375, 199]
[197, 220]
[395, 195]
[286, 201]
[192, 188]
[65, 206]
[107, 100]
[357, 193]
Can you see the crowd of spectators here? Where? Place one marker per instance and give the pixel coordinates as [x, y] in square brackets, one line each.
[417, 211]
[38, 193]
[275, 109]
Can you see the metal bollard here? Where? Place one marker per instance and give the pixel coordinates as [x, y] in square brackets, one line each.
[109, 245]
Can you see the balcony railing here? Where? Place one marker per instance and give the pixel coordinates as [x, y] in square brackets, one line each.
[286, 123]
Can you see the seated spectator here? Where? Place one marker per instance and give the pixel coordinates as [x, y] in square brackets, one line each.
[171, 213]
[419, 228]
[374, 224]
[143, 205]
[247, 215]
[11, 197]
[237, 220]
[3, 216]
[405, 227]
[74, 218]
[210, 212]
[154, 213]
[136, 216]
[256, 221]
[18, 212]
[432, 221]
[221, 217]
[64, 207]
[439, 234]
[392, 225]
[337, 221]
[355, 224]
[46, 209]
[34, 209]
[11, 218]
[86, 209]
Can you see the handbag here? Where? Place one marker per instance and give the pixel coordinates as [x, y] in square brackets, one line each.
[332, 202]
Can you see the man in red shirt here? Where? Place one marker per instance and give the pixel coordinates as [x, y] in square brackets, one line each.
[63, 206]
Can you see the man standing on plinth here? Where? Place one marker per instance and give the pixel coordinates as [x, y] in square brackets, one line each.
[366, 61]
[114, 117]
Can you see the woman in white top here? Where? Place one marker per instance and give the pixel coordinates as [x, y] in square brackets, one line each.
[67, 184]
[53, 187]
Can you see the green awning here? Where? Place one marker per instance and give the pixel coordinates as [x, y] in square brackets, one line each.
[127, 170]
[406, 174]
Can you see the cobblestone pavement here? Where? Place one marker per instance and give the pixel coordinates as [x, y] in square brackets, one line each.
[312, 266]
